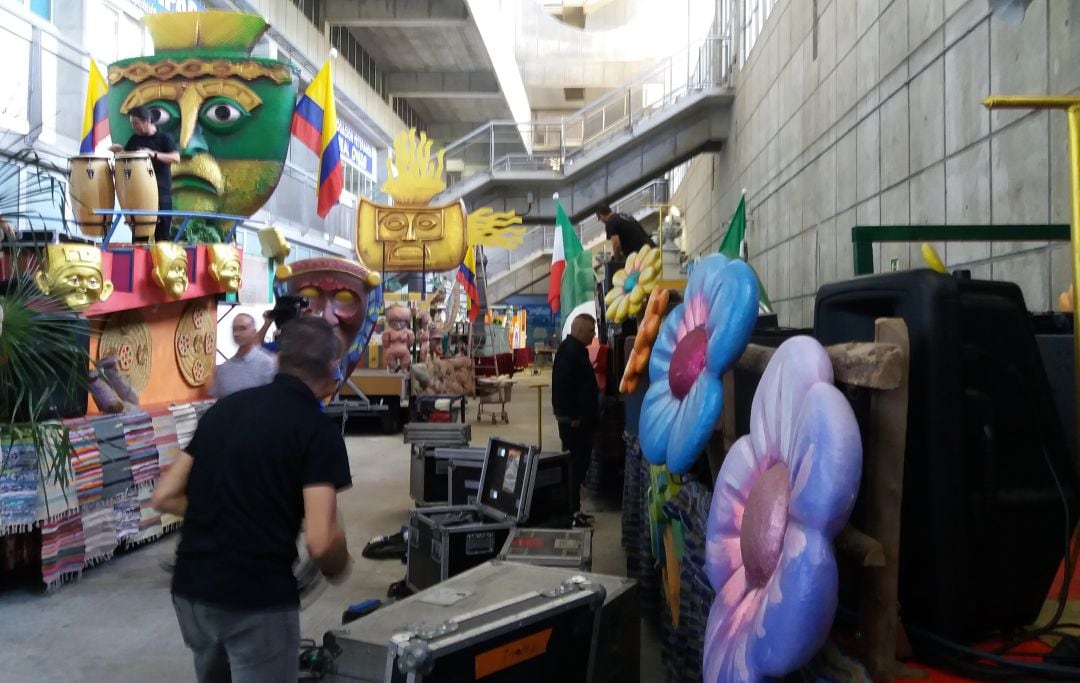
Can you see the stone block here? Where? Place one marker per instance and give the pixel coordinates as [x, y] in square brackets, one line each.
[1020, 168]
[869, 71]
[845, 264]
[868, 155]
[1028, 270]
[811, 68]
[894, 139]
[967, 192]
[893, 35]
[846, 172]
[868, 212]
[1061, 271]
[960, 19]
[825, 184]
[826, 248]
[927, 116]
[927, 205]
[1018, 57]
[866, 15]
[924, 19]
[1059, 168]
[1064, 52]
[967, 82]
[827, 39]
[847, 32]
[895, 210]
[926, 52]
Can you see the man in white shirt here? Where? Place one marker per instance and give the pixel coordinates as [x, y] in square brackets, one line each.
[250, 367]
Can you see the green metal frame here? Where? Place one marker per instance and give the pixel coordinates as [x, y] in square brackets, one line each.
[863, 237]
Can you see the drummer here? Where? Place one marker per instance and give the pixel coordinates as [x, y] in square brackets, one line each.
[163, 152]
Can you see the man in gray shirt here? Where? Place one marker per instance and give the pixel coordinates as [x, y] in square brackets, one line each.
[250, 367]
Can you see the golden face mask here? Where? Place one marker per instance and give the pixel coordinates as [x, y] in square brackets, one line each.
[72, 272]
[170, 268]
[407, 238]
[225, 266]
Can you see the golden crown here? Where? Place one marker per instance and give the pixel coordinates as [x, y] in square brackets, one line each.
[414, 177]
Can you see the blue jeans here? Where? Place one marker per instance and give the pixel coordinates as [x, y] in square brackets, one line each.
[238, 646]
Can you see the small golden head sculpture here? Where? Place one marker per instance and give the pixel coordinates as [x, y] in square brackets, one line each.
[73, 273]
[225, 266]
[170, 268]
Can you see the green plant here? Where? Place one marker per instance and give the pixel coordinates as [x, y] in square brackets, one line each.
[202, 231]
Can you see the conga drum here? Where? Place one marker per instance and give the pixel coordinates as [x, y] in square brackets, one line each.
[136, 188]
[90, 188]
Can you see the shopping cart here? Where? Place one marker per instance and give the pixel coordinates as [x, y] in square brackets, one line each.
[491, 392]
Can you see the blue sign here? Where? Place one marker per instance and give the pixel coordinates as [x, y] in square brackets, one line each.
[356, 150]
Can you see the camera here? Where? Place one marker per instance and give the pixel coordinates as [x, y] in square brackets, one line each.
[287, 308]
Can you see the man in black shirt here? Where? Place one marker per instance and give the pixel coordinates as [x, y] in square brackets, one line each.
[575, 400]
[162, 149]
[243, 494]
[625, 234]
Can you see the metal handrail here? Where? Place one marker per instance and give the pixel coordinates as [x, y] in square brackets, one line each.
[509, 145]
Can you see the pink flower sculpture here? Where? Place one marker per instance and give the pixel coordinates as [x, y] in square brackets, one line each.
[783, 493]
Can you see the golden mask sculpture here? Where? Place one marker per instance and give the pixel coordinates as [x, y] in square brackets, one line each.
[170, 268]
[228, 112]
[225, 266]
[72, 272]
[414, 235]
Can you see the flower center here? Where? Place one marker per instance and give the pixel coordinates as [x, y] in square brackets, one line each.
[687, 361]
[764, 524]
[631, 281]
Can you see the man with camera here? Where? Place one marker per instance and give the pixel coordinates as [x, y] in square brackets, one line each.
[286, 308]
[250, 367]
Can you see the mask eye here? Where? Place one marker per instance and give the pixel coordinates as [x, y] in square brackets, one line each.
[344, 296]
[394, 222]
[159, 116]
[310, 293]
[222, 113]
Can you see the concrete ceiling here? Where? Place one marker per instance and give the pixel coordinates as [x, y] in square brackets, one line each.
[432, 56]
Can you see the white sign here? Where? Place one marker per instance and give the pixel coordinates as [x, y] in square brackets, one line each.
[165, 6]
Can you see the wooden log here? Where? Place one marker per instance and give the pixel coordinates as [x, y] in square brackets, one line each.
[873, 365]
[883, 475]
[860, 547]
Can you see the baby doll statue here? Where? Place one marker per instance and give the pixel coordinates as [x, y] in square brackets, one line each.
[398, 338]
[424, 337]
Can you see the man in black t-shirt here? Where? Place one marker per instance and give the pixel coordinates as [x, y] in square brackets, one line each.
[625, 234]
[243, 494]
[162, 149]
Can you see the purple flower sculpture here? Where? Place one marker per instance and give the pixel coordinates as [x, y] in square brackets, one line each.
[783, 493]
[698, 342]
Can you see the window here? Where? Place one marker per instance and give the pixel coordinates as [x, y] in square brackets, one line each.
[755, 12]
[349, 48]
[42, 8]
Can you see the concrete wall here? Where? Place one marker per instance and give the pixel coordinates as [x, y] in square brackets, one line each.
[885, 126]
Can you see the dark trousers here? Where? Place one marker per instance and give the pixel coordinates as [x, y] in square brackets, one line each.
[240, 647]
[163, 231]
[578, 441]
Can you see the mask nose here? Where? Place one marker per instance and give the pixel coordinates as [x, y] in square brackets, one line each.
[196, 144]
[410, 233]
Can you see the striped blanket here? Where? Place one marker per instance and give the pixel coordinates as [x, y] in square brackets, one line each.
[149, 519]
[115, 462]
[63, 549]
[167, 448]
[127, 514]
[18, 483]
[99, 530]
[186, 421]
[85, 461]
[139, 441]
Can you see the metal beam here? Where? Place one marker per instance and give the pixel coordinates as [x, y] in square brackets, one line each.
[445, 95]
[468, 83]
[398, 14]
[433, 22]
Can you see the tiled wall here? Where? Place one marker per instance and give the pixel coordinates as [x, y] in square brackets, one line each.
[882, 125]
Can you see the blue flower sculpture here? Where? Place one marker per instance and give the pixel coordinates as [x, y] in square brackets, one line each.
[698, 343]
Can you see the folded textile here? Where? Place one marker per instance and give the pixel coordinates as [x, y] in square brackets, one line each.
[85, 461]
[58, 494]
[164, 424]
[63, 548]
[127, 514]
[139, 441]
[149, 519]
[19, 488]
[99, 531]
[115, 462]
[186, 421]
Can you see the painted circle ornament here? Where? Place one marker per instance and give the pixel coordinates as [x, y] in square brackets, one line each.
[699, 341]
[127, 337]
[196, 341]
[632, 284]
[784, 492]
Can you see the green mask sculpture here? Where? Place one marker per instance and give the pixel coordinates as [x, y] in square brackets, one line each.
[229, 113]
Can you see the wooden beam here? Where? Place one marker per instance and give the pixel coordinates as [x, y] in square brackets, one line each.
[860, 547]
[873, 365]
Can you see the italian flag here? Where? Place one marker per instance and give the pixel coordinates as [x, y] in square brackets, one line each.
[572, 281]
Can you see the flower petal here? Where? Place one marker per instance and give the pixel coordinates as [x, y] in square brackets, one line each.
[825, 460]
[723, 552]
[694, 423]
[660, 361]
[798, 364]
[801, 604]
[728, 634]
[658, 411]
[733, 311]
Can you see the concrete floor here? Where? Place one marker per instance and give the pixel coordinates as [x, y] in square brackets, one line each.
[117, 622]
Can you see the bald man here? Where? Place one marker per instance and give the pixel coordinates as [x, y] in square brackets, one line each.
[575, 399]
[250, 367]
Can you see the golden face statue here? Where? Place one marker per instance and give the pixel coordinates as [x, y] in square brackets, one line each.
[170, 268]
[406, 238]
[225, 266]
[72, 272]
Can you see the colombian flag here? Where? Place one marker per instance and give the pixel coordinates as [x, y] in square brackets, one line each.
[315, 124]
[95, 127]
[466, 275]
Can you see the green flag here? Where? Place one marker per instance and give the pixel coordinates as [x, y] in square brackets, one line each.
[578, 284]
[730, 247]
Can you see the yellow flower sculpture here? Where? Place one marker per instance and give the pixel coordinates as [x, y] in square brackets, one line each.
[632, 284]
[638, 362]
